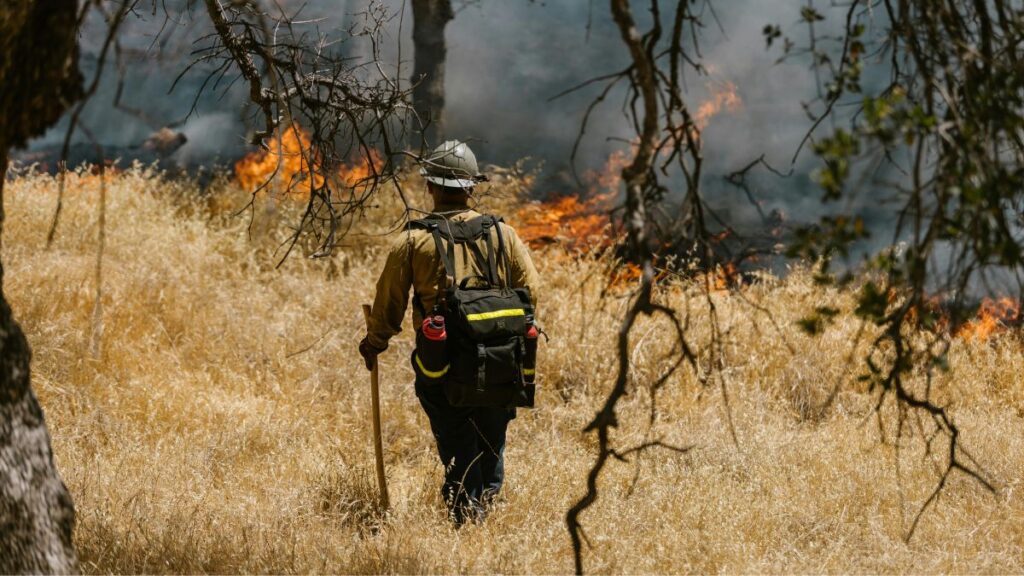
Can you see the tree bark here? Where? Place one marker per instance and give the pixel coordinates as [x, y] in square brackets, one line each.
[40, 78]
[429, 20]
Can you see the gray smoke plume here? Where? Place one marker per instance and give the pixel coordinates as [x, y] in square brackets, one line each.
[506, 60]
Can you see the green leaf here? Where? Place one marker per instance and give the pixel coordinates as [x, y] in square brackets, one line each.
[809, 14]
[872, 303]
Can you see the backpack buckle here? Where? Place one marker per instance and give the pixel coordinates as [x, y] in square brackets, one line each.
[481, 370]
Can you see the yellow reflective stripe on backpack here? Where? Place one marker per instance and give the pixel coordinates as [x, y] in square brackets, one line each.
[430, 373]
[496, 314]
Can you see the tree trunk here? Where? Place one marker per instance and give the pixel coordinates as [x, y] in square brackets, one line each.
[429, 20]
[40, 78]
[36, 512]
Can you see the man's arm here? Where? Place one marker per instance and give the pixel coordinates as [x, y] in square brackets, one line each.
[392, 294]
[523, 271]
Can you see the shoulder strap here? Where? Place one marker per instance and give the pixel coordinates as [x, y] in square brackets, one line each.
[447, 234]
[421, 224]
[447, 256]
[492, 269]
[503, 256]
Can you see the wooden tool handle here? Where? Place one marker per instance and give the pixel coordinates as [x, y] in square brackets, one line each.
[378, 444]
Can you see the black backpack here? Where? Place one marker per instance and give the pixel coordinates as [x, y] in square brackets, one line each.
[482, 361]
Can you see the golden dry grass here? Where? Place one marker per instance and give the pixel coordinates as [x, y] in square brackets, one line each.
[224, 427]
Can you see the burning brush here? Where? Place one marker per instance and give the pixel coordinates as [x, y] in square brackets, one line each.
[290, 166]
[582, 223]
[995, 316]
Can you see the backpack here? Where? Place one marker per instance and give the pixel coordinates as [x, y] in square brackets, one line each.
[481, 363]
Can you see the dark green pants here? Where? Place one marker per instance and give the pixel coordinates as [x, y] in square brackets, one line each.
[471, 444]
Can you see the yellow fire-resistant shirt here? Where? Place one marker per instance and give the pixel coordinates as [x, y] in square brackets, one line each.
[413, 262]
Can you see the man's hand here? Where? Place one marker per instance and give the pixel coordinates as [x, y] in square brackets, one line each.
[369, 353]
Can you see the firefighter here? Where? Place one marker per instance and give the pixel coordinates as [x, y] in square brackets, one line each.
[470, 441]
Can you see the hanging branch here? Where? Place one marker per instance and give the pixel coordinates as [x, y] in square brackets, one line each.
[114, 22]
[349, 108]
[665, 131]
[948, 121]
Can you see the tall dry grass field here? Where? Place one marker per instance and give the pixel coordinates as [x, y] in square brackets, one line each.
[213, 414]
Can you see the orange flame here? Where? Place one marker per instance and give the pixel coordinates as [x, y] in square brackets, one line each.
[723, 277]
[994, 316]
[284, 162]
[932, 309]
[724, 96]
[577, 220]
[360, 173]
[625, 274]
[565, 219]
[579, 224]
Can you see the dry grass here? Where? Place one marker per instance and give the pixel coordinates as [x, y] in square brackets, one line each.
[223, 426]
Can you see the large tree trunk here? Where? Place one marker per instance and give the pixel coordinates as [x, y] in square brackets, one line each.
[429, 20]
[38, 79]
[36, 513]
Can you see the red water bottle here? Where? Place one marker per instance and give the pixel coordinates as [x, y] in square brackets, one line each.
[433, 328]
[530, 360]
[529, 364]
[432, 348]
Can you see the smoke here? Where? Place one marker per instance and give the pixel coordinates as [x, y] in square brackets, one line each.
[209, 135]
[156, 49]
[506, 60]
